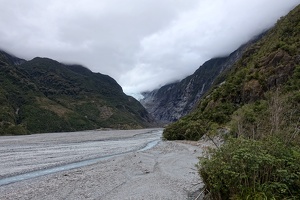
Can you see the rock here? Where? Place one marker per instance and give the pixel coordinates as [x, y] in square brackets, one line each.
[173, 101]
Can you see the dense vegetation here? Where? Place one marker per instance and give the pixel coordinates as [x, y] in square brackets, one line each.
[252, 169]
[258, 105]
[43, 95]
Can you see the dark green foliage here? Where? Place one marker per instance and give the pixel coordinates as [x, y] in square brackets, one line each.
[272, 62]
[55, 78]
[251, 169]
[195, 125]
[294, 82]
[251, 120]
[78, 122]
[258, 103]
[184, 131]
[43, 95]
[38, 120]
[262, 162]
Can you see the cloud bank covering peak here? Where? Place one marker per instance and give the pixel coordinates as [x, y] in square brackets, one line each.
[143, 44]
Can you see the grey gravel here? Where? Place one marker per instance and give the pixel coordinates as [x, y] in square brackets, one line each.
[166, 171]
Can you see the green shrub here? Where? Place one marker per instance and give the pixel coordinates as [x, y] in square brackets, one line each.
[250, 169]
[16, 130]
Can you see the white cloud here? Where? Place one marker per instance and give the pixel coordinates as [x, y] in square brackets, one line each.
[143, 44]
[210, 29]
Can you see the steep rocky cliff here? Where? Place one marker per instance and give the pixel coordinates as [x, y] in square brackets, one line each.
[256, 110]
[260, 94]
[171, 102]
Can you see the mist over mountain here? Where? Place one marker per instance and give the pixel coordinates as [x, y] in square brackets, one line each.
[43, 95]
[142, 44]
[173, 101]
[268, 69]
[252, 118]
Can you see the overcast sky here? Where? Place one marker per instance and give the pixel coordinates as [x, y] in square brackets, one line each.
[143, 44]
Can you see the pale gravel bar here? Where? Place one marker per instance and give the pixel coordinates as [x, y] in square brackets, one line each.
[166, 171]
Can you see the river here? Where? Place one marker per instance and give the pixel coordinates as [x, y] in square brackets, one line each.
[116, 164]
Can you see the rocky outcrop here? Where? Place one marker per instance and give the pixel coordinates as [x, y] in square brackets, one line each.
[171, 102]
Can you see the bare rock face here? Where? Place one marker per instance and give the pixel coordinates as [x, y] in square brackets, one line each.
[173, 101]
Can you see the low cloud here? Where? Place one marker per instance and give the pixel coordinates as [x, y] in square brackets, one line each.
[142, 44]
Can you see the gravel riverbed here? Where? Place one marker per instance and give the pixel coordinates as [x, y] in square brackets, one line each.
[165, 171]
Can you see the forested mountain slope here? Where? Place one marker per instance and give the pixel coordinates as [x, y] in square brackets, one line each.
[43, 95]
[173, 101]
[268, 67]
[257, 110]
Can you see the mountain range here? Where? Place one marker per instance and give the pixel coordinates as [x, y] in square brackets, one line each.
[43, 95]
[254, 113]
[249, 99]
[175, 100]
[265, 79]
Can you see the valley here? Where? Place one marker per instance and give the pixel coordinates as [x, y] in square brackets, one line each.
[248, 101]
[106, 165]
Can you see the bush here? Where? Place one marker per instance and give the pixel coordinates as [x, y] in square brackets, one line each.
[250, 169]
[16, 130]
